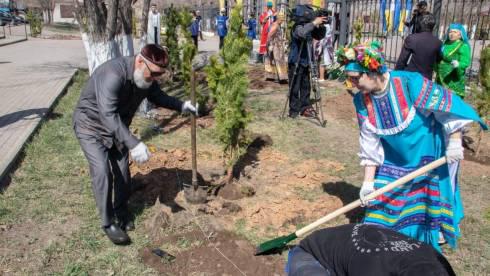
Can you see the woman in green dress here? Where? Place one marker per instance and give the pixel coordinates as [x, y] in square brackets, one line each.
[456, 57]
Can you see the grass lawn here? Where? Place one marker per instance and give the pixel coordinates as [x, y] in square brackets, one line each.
[49, 224]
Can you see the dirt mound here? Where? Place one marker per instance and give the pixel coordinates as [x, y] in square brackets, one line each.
[256, 76]
[340, 107]
[224, 253]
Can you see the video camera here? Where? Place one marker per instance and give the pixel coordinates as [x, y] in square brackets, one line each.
[303, 14]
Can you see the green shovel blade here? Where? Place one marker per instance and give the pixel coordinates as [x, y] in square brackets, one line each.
[274, 245]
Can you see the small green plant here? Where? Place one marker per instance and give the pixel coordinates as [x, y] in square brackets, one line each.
[358, 26]
[35, 23]
[228, 81]
[481, 95]
[172, 21]
[188, 49]
[483, 98]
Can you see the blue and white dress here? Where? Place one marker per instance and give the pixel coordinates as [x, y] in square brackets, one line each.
[404, 128]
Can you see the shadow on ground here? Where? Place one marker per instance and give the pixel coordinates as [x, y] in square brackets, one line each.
[347, 193]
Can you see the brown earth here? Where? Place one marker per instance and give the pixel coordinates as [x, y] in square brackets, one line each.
[223, 253]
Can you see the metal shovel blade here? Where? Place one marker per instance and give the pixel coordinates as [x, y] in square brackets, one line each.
[195, 194]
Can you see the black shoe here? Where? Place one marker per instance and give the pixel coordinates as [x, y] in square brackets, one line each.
[127, 225]
[293, 115]
[116, 234]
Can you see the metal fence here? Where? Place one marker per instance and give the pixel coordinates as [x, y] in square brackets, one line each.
[383, 20]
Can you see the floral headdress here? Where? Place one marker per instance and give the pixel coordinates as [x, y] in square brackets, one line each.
[364, 57]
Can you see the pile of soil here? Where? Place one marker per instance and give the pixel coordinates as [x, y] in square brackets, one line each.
[224, 253]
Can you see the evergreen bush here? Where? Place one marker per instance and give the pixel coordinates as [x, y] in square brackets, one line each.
[228, 81]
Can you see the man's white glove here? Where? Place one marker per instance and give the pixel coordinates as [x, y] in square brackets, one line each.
[454, 151]
[366, 188]
[140, 153]
[187, 107]
[455, 63]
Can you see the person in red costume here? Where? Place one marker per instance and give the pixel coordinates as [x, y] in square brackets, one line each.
[266, 19]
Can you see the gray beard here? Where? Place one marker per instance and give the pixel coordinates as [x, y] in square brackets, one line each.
[139, 79]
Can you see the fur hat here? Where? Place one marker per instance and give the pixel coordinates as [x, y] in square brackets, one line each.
[155, 54]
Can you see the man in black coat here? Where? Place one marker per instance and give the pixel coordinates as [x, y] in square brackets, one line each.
[307, 26]
[101, 122]
[421, 51]
[414, 23]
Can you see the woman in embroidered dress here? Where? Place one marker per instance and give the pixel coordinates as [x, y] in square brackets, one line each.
[324, 50]
[276, 67]
[456, 57]
[407, 121]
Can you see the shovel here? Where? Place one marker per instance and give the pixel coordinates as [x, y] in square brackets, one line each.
[194, 193]
[277, 244]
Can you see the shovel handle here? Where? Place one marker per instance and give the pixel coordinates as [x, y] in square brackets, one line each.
[301, 232]
[193, 130]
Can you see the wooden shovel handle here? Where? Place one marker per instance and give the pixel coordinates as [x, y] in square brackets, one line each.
[193, 130]
[376, 193]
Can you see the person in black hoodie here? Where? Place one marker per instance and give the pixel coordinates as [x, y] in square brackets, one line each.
[367, 250]
[421, 51]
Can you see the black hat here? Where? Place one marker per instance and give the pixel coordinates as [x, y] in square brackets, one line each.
[155, 54]
[422, 3]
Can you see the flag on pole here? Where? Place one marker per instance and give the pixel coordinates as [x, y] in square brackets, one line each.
[389, 15]
[396, 15]
[382, 8]
[406, 17]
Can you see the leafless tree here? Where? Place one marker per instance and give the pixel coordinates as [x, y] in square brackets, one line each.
[106, 29]
[47, 6]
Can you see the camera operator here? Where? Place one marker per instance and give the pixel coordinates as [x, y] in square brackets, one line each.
[414, 23]
[306, 26]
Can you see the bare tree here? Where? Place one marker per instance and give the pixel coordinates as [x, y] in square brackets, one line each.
[144, 22]
[47, 6]
[106, 29]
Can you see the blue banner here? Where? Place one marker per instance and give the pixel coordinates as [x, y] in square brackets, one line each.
[382, 8]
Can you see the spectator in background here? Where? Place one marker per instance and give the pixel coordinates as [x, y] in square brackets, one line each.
[324, 49]
[154, 25]
[266, 19]
[414, 23]
[275, 61]
[199, 18]
[252, 27]
[456, 57]
[194, 28]
[421, 51]
[222, 27]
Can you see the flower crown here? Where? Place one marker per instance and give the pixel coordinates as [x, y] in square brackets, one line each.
[369, 55]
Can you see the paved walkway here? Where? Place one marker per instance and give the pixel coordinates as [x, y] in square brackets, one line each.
[33, 74]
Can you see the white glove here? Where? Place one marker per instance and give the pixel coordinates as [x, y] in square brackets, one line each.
[454, 151]
[366, 188]
[455, 63]
[187, 107]
[140, 153]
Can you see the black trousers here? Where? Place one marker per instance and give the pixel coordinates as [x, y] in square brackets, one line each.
[302, 263]
[155, 33]
[221, 41]
[109, 170]
[299, 97]
[194, 38]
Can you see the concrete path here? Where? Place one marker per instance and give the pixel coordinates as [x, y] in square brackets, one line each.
[33, 74]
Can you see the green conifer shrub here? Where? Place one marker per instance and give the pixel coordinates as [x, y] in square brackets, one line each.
[228, 82]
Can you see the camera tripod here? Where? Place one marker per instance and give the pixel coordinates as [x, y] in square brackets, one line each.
[313, 78]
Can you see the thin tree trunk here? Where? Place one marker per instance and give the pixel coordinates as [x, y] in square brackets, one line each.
[125, 37]
[144, 23]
